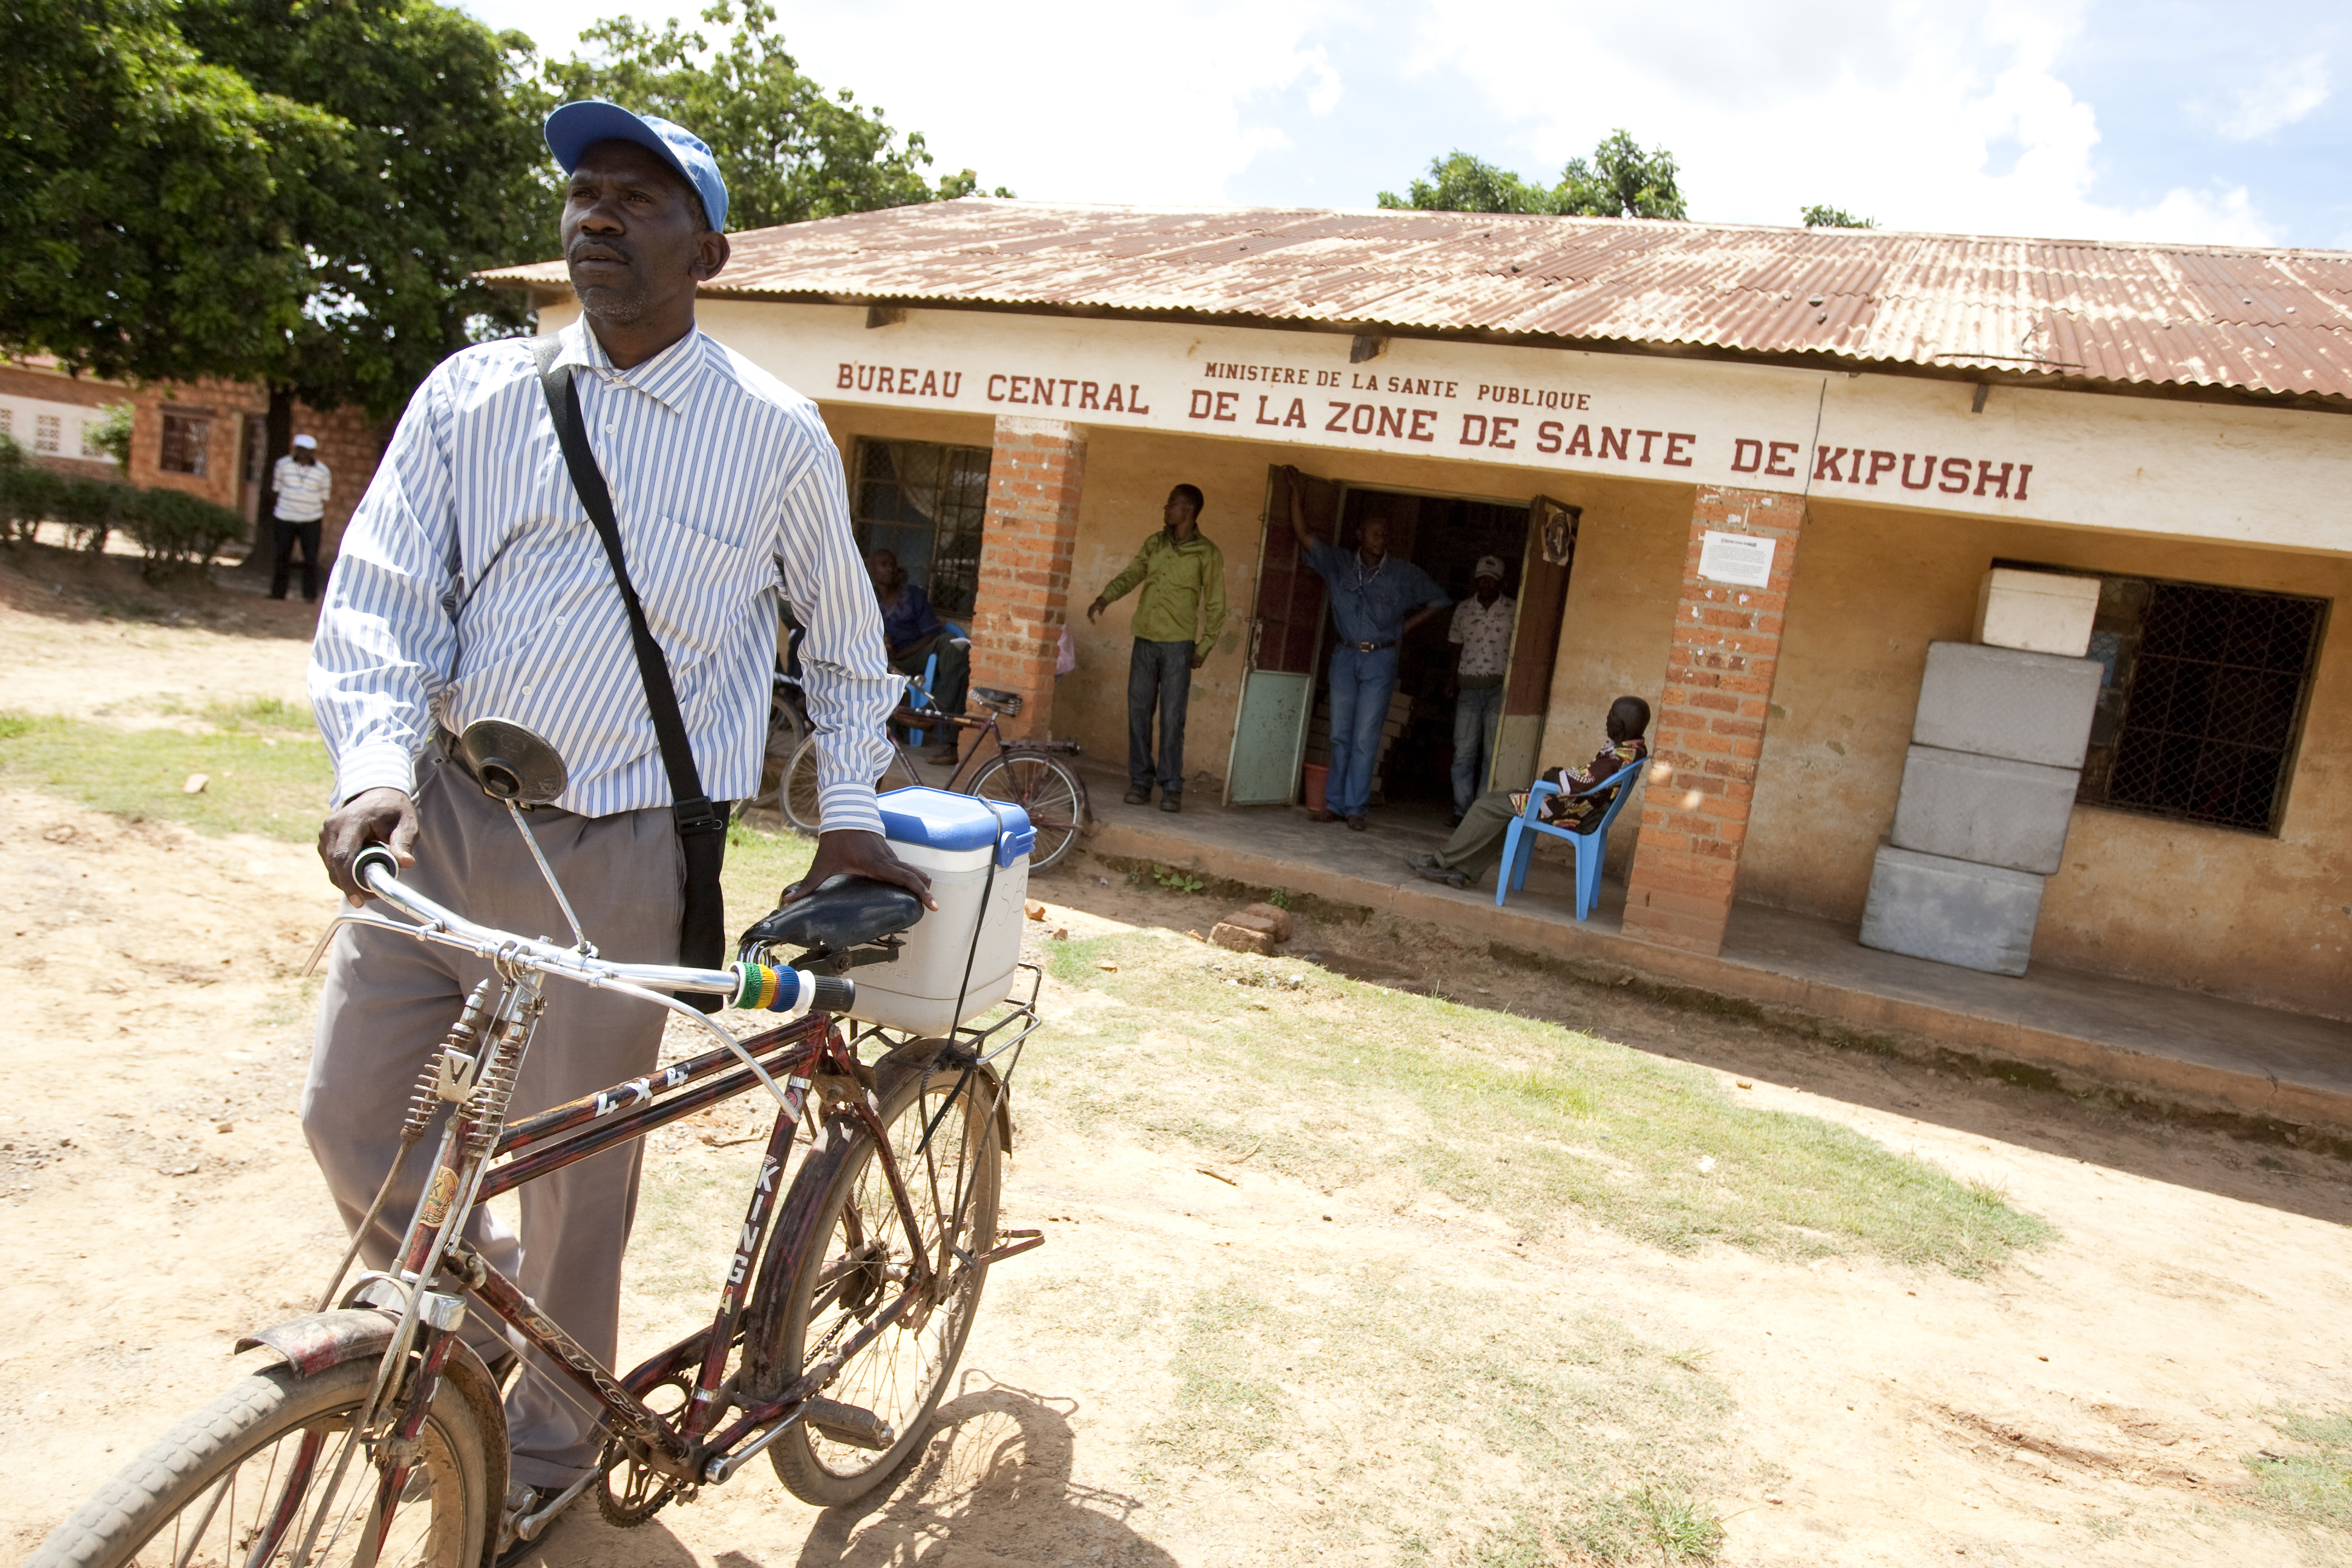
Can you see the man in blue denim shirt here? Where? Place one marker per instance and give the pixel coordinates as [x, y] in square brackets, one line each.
[1376, 599]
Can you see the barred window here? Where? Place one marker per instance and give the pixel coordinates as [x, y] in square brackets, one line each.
[184, 440]
[48, 433]
[2202, 701]
[924, 503]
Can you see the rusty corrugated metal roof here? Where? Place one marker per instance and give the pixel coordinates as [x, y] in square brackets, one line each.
[2262, 321]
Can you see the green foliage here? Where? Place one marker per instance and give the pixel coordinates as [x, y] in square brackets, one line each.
[1619, 180]
[176, 529]
[440, 172]
[1176, 880]
[1280, 897]
[150, 198]
[112, 436]
[1834, 218]
[91, 510]
[789, 149]
[28, 492]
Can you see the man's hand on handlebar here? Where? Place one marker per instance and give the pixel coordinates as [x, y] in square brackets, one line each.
[858, 853]
[384, 816]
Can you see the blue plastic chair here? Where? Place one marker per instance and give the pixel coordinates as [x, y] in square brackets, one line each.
[1590, 844]
[919, 692]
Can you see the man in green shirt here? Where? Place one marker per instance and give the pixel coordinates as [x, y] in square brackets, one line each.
[1177, 619]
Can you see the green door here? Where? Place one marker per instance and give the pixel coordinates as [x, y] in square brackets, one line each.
[1285, 638]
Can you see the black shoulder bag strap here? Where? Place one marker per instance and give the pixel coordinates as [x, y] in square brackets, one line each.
[702, 827]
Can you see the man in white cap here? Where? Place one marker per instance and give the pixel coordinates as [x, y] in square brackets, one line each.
[1481, 635]
[302, 485]
[473, 584]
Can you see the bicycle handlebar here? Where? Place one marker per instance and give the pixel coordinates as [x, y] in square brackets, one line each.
[752, 985]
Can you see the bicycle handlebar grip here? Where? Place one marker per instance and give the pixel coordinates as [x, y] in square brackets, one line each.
[832, 994]
[373, 855]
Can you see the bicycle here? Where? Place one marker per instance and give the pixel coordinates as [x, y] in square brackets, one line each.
[380, 1435]
[1026, 773]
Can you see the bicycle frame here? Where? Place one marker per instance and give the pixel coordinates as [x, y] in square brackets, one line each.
[481, 1155]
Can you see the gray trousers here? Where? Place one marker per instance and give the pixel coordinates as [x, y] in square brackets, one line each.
[1477, 845]
[389, 1000]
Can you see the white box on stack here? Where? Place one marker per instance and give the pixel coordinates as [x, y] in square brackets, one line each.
[2041, 612]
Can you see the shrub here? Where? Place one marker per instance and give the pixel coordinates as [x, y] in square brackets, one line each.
[28, 491]
[92, 509]
[176, 529]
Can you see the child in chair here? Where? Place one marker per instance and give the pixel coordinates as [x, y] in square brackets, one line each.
[1477, 845]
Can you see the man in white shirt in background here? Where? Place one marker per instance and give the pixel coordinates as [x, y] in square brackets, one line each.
[1481, 635]
[302, 484]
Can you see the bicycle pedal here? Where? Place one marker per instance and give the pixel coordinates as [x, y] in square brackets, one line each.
[849, 1424]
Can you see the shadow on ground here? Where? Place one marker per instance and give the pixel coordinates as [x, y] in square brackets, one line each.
[989, 1488]
[64, 585]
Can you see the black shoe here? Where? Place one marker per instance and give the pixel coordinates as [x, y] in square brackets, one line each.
[1453, 819]
[1420, 862]
[1139, 797]
[1439, 874]
[1170, 802]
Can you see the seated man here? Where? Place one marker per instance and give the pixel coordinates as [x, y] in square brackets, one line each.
[914, 632]
[1477, 845]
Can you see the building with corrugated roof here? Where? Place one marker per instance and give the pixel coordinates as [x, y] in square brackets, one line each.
[1879, 419]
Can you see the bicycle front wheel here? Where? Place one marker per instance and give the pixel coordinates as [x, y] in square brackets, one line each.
[242, 1481]
[852, 1262]
[1051, 794]
[798, 792]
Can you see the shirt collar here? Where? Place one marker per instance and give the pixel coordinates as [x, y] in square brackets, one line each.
[670, 378]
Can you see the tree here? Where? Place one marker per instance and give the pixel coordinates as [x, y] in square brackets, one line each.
[1619, 180]
[1459, 183]
[789, 151]
[1833, 217]
[147, 197]
[443, 172]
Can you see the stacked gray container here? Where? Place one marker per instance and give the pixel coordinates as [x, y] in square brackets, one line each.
[1987, 788]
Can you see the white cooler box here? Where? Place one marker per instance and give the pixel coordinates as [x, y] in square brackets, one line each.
[957, 840]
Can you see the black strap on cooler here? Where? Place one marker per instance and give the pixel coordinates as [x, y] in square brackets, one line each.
[701, 825]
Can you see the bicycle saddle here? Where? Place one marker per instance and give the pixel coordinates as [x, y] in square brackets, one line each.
[845, 912]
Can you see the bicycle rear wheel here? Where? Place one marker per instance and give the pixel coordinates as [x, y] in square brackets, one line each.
[256, 1461]
[851, 1255]
[798, 792]
[1050, 792]
[784, 737]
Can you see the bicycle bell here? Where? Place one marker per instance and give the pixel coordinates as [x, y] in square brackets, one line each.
[511, 763]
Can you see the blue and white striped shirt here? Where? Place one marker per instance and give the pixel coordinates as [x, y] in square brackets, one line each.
[471, 584]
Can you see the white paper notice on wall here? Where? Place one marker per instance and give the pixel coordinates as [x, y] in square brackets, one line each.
[1737, 558]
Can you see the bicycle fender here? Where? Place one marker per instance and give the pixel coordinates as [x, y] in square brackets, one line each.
[313, 1344]
[919, 1056]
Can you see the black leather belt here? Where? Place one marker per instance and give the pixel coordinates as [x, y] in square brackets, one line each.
[1372, 646]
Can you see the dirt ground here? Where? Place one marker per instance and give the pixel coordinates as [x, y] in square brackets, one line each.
[2090, 1402]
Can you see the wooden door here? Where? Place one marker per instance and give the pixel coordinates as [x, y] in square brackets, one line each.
[1535, 640]
[1284, 644]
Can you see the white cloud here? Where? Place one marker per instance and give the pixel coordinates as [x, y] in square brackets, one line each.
[2287, 92]
[1888, 109]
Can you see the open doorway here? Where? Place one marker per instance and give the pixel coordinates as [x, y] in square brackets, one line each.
[1445, 536]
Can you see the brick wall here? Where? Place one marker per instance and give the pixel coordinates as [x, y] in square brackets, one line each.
[1708, 732]
[1036, 470]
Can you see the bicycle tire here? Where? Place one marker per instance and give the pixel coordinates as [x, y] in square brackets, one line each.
[833, 1211]
[797, 791]
[209, 1454]
[1054, 797]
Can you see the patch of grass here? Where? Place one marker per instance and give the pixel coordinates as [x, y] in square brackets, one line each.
[256, 782]
[2313, 1487]
[1481, 1404]
[1346, 1082]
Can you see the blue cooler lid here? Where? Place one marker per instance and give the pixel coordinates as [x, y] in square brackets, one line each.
[940, 819]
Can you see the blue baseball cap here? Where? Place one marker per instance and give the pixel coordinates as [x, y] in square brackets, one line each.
[575, 128]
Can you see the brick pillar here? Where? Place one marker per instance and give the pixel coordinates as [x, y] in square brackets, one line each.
[1710, 729]
[1034, 473]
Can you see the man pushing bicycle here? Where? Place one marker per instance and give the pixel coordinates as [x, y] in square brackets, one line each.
[586, 535]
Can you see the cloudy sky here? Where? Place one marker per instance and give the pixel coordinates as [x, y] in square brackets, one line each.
[2175, 119]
